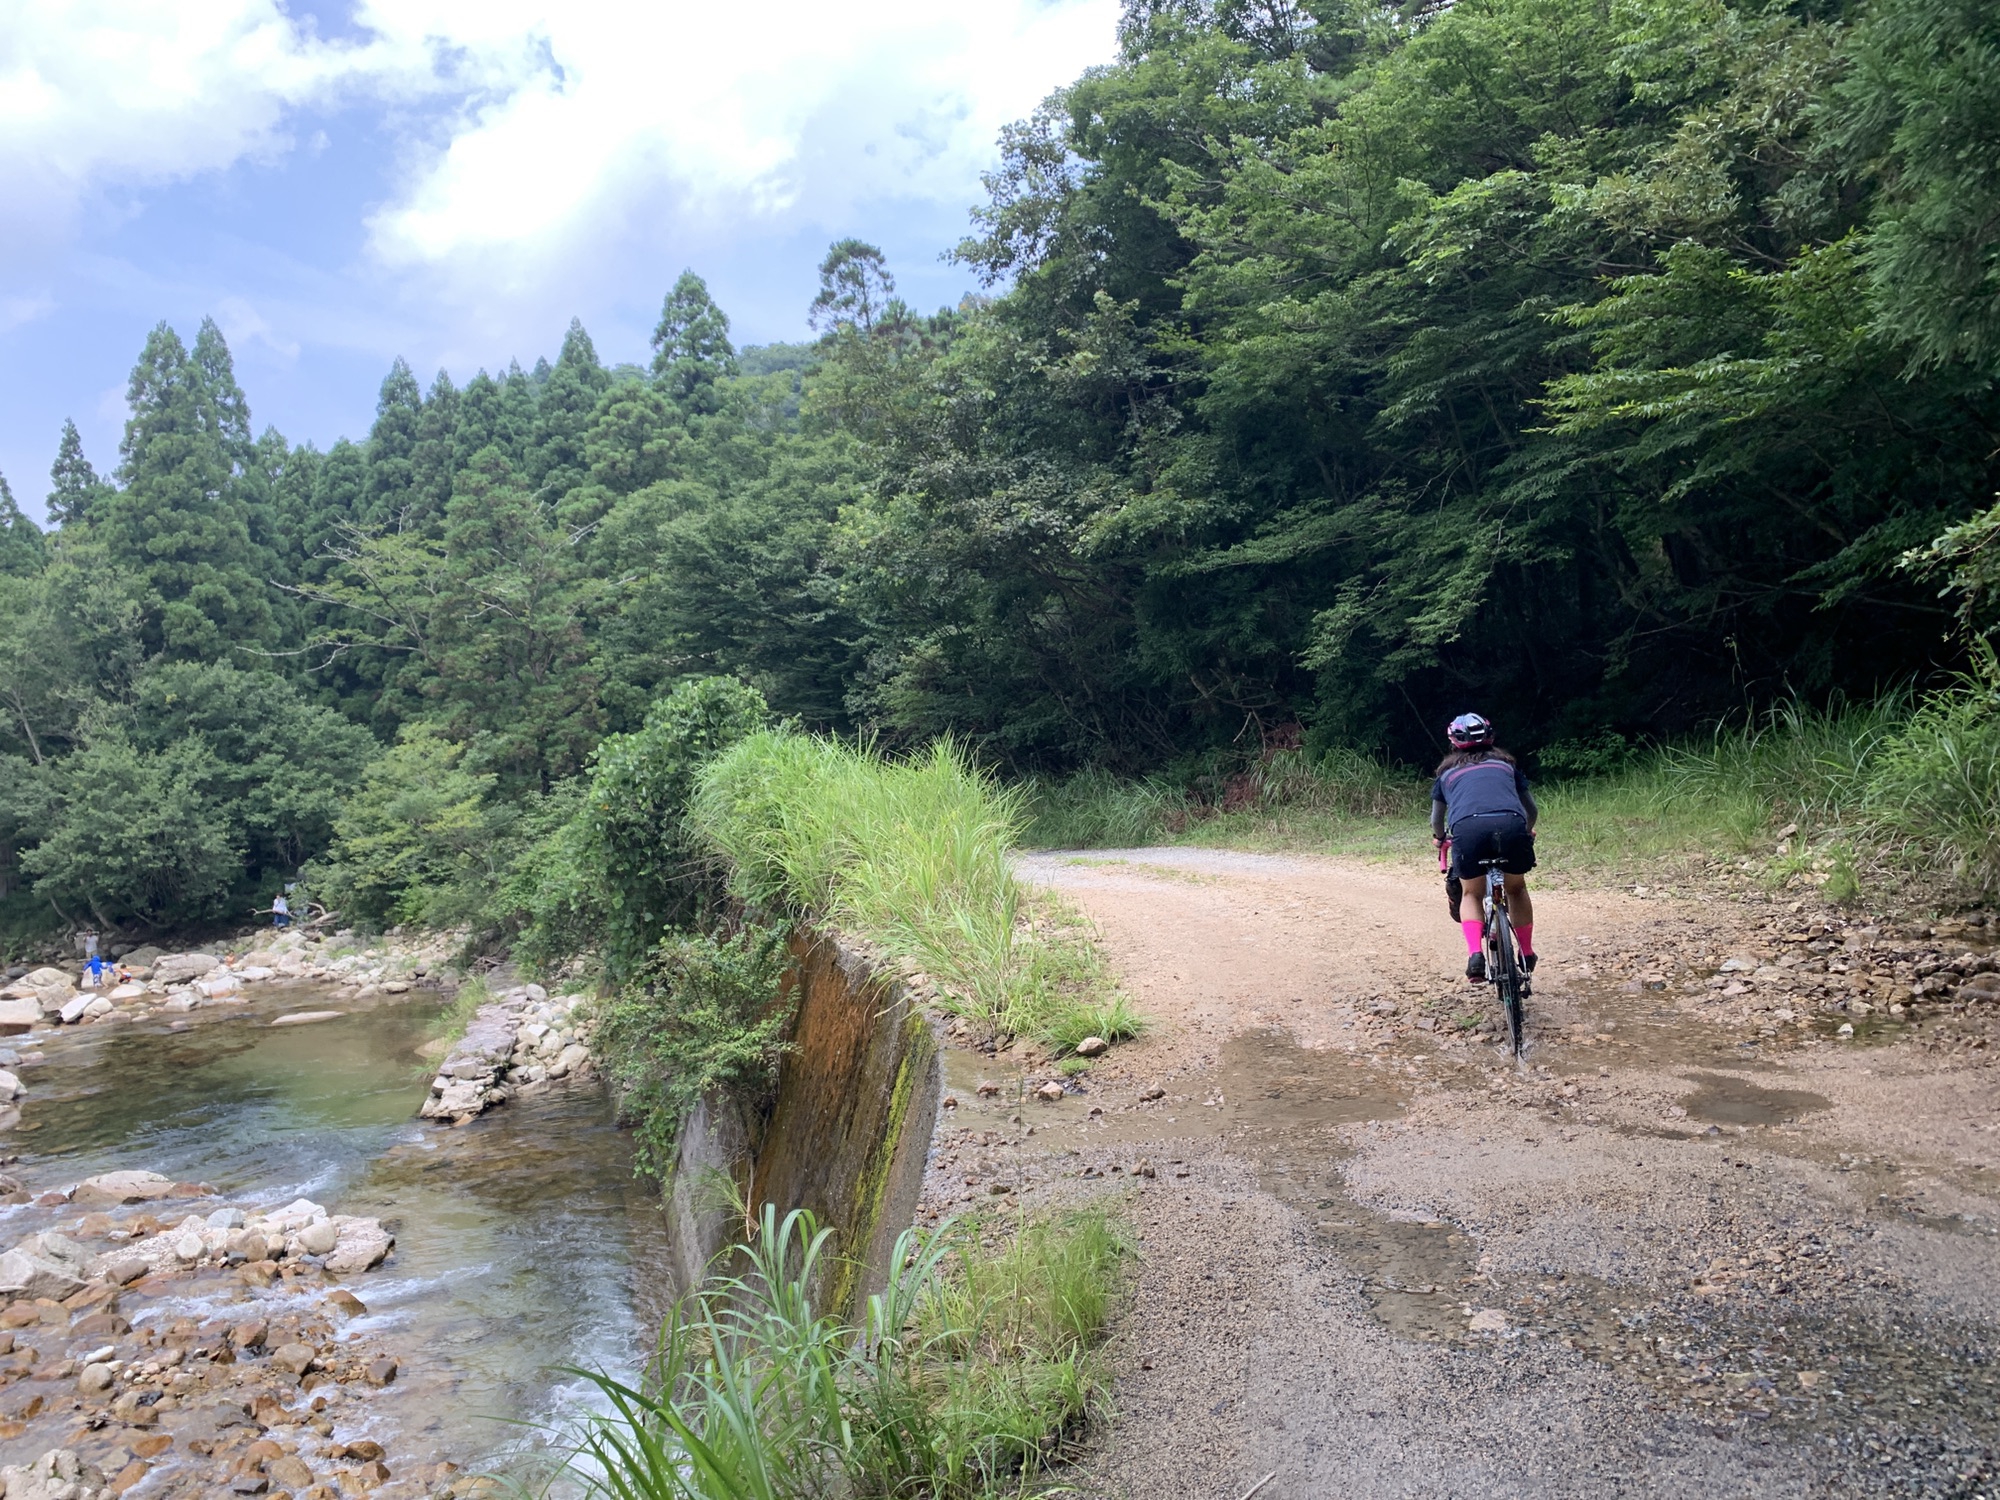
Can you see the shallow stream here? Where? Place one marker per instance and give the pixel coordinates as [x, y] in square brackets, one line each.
[523, 1242]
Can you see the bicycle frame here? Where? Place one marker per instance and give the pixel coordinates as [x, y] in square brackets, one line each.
[1503, 958]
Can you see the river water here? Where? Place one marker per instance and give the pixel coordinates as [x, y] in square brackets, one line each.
[523, 1242]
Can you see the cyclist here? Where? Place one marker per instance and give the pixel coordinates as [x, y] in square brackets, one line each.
[1482, 803]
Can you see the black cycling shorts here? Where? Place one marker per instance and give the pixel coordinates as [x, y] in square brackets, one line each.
[1487, 836]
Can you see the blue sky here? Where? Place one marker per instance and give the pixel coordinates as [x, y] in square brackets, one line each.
[453, 180]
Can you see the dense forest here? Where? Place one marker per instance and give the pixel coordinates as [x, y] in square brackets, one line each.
[1612, 366]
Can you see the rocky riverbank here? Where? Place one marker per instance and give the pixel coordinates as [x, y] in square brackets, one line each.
[153, 1331]
[523, 1042]
[193, 1345]
[220, 975]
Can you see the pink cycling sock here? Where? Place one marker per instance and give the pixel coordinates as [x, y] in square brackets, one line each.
[1526, 935]
[1475, 933]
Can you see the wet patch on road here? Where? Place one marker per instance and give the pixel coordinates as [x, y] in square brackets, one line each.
[1723, 1100]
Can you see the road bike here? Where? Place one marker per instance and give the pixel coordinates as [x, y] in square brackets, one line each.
[1504, 970]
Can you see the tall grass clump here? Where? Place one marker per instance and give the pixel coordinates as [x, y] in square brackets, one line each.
[911, 857]
[1095, 809]
[1728, 792]
[1794, 762]
[1344, 783]
[1934, 788]
[968, 1374]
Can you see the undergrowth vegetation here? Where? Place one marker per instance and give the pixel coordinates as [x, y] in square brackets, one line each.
[911, 857]
[701, 1013]
[1905, 787]
[968, 1375]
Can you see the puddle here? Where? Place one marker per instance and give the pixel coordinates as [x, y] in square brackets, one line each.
[1735, 1101]
[1268, 1082]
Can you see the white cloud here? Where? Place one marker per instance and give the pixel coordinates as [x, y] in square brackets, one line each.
[14, 311]
[242, 324]
[544, 125]
[634, 119]
[99, 94]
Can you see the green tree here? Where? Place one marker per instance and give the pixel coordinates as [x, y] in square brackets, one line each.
[21, 548]
[135, 838]
[392, 446]
[179, 524]
[410, 835]
[557, 462]
[1918, 114]
[74, 488]
[282, 765]
[691, 348]
[855, 288]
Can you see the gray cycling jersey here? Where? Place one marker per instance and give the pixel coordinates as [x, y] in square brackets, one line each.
[1480, 788]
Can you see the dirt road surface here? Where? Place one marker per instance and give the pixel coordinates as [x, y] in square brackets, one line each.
[1700, 1243]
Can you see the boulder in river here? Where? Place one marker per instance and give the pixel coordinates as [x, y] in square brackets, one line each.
[43, 1265]
[17, 1016]
[363, 1244]
[57, 1475]
[468, 1080]
[178, 968]
[109, 1189]
[51, 986]
[308, 1017]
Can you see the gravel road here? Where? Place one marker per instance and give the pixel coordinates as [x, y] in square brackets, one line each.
[1700, 1243]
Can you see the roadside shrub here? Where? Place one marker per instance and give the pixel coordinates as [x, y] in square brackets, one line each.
[911, 857]
[965, 1377]
[626, 871]
[701, 1013]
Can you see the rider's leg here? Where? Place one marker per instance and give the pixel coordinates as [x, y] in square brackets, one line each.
[1521, 913]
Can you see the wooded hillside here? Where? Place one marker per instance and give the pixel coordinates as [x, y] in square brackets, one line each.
[1594, 365]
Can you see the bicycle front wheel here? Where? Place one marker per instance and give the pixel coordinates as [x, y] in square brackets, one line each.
[1504, 965]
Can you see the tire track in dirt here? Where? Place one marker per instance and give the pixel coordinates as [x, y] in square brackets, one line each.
[1377, 1259]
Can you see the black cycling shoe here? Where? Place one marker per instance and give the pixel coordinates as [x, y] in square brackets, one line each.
[1475, 968]
[1528, 962]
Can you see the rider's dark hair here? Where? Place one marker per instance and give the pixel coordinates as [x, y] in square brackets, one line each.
[1459, 758]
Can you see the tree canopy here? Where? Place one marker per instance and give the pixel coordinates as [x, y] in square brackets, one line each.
[1604, 367]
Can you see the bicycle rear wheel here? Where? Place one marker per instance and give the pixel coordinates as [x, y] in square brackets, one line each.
[1503, 965]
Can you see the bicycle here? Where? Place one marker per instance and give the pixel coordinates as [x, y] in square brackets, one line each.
[1503, 955]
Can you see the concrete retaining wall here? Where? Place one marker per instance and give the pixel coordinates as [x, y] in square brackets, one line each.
[848, 1135]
